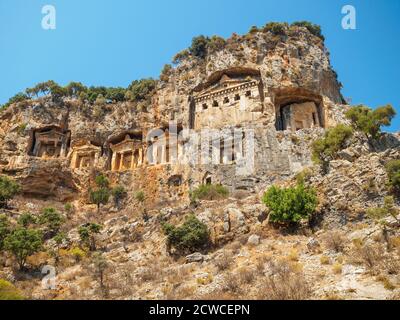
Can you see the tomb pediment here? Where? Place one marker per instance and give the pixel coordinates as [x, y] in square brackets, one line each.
[225, 84]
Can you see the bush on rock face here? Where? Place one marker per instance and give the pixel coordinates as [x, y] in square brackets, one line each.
[290, 205]
[209, 192]
[393, 171]
[325, 149]
[370, 121]
[4, 229]
[311, 27]
[191, 236]
[22, 243]
[8, 189]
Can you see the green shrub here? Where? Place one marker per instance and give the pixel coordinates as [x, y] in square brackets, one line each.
[276, 28]
[19, 97]
[8, 189]
[21, 128]
[115, 94]
[100, 264]
[87, 234]
[102, 181]
[118, 193]
[77, 253]
[191, 236]
[9, 292]
[312, 28]
[141, 89]
[388, 209]
[304, 176]
[180, 56]
[393, 172]
[290, 205]
[94, 92]
[100, 101]
[371, 121]
[52, 220]
[216, 43]
[26, 219]
[75, 89]
[253, 29]
[22, 243]
[101, 194]
[99, 197]
[4, 229]
[166, 72]
[199, 46]
[209, 192]
[326, 148]
[57, 92]
[140, 196]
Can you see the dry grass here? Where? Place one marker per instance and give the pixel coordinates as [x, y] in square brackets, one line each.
[151, 273]
[325, 260]
[391, 264]
[337, 268]
[205, 280]
[224, 261]
[293, 255]
[38, 259]
[369, 255]
[217, 295]
[260, 264]
[181, 292]
[231, 283]
[246, 275]
[234, 246]
[386, 282]
[175, 275]
[335, 241]
[285, 283]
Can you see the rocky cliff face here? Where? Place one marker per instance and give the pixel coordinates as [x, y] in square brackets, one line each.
[285, 69]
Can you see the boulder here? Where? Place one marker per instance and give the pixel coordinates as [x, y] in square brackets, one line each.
[254, 240]
[194, 257]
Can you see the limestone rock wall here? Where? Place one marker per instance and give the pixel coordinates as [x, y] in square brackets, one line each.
[244, 86]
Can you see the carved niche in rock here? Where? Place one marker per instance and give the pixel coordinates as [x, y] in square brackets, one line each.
[50, 142]
[229, 97]
[297, 109]
[127, 153]
[85, 156]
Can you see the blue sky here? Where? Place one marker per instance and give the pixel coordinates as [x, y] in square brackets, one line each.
[112, 42]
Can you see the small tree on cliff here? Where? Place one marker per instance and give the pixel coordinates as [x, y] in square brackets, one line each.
[22, 243]
[370, 121]
[335, 139]
[4, 229]
[100, 265]
[118, 193]
[8, 189]
[87, 233]
[52, 220]
[101, 194]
